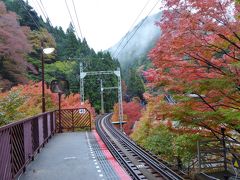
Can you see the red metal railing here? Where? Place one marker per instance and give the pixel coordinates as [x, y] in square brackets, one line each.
[20, 141]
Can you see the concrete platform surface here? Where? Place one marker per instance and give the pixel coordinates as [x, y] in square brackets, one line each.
[70, 156]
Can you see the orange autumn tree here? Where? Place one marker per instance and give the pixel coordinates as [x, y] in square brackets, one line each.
[197, 60]
[26, 100]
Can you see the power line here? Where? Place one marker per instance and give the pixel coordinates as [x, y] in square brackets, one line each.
[45, 16]
[35, 22]
[131, 27]
[44, 12]
[44, 9]
[138, 27]
[70, 15]
[23, 5]
[77, 19]
[35, 7]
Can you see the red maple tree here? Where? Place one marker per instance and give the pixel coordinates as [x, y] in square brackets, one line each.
[198, 55]
[14, 47]
[131, 112]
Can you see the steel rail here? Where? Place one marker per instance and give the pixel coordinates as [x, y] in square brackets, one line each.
[158, 166]
[147, 157]
[115, 151]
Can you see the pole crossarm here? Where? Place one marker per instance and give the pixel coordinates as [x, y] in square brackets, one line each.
[107, 88]
[99, 72]
[119, 87]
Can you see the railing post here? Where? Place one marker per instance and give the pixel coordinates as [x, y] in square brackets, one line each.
[72, 120]
[60, 115]
[11, 152]
[19, 142]
[90, 120]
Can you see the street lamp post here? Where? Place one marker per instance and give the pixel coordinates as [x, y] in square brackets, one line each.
[60, 87]
[44, 51]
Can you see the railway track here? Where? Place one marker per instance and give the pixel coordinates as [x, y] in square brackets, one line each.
[140, 164]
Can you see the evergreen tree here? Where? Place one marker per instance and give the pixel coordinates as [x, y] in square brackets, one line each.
[71, 43]
[24, 10]
[135, 84]
[64, 63]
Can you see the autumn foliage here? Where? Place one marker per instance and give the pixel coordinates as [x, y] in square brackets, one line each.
[197, 61]
[132, 113]
[26, 100]
[14, 47]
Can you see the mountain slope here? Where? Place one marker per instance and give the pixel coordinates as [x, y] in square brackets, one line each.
[134, 55]
[138, 47]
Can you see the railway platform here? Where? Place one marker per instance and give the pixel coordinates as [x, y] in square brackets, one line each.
[76, 155]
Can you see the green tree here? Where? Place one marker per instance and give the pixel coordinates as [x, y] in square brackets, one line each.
[71, 43]
[135, 84]
[9, 107]
[40, 39]
[64, 63]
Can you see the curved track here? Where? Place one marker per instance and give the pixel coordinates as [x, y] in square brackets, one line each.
[139, 163]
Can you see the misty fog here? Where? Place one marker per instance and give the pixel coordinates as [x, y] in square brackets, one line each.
[144, 40]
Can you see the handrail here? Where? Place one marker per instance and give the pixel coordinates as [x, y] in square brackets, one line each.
[20, 141]
[23, 120]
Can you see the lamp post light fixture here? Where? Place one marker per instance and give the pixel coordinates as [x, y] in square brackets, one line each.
[44, 51]
[60, 87]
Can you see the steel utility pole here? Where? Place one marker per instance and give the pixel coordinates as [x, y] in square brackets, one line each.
[102, 102]
[43, 88]
[44, 51]
[120, 105]
[81, 75]
[102, 91]
[118, 74]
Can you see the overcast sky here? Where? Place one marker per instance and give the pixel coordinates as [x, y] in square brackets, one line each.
[102, 22]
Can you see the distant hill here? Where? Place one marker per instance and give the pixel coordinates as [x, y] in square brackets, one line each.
[135, 52]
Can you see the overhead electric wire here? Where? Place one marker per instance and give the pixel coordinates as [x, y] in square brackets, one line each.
[36, 8]
[44, 9]
[138, 27]
[77, 19]
[70, 15]
[35, 22]
[44, 13]
[45, 16]
[23, 5]
[131, 27]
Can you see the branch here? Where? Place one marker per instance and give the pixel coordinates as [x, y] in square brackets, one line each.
[225, 38]
[206, 62]
[223, 50]
[236, 35]
[233, 99]
[228, 106]
[209, 105]
[214, 132]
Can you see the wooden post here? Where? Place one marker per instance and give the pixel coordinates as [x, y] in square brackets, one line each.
[59, 109]
[224, 148]
[72, 121]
